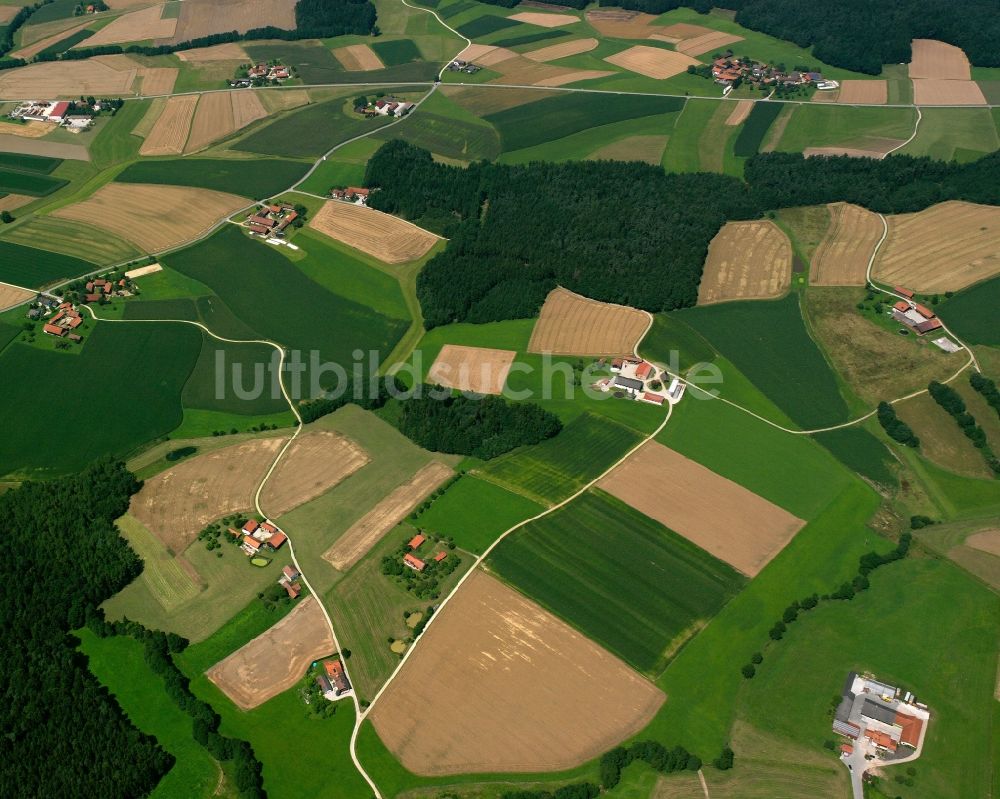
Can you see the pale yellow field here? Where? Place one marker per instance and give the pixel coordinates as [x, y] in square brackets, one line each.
[841, 259]
[680, 31]
[153, 217]
[934, 59]
[43, 146]
[927, 91]
[746, 260]
[247, 108]
[653, 62]
[740, 112]
[65, 79]
[570, 324]
[572, 77]
[946, 248]
[383, 236]
[157, 80]
[618, 23]
[554, 51]
[170, 133]
[283, 100]
[710, 42]
[545, 20]
[477, 369]
[495, 55]
[7, 13]
[14, 201]
[135, 26]
[358, 58]
[648, 149]
[26, 130]
[204, 17]
[864, 92]
[213, 119]
[13, 295]
[231, 51]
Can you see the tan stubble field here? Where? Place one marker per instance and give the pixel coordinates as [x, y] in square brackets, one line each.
[841, 259]
[570, 324]
[746, 261]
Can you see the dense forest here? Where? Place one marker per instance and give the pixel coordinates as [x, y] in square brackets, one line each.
[482, 427]
[620, 231]
[64, 734]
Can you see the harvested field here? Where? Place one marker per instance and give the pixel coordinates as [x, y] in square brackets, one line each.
[204, 17]
[863, 92]
[284, 100]
[716, 40]
[946, 248]
[175, 505]
[934, 59]
[489, 101]
[315, 463]
[680, 31]
[50, 149]
[985, 541]
[26, 130]
[275, 660]
[573, 325]
[653, 62]
[841, 259]
[471, 368]
[720, 516]
[7, 13]
[13, 295]
[358, 58]
[12, 202]
[231, 51]
[545, 20]
[746, 261]
[65, 79]
[366, 531]
[136, 26]
[618, 23]
[145, 125]
[474, 52]
[522, 71]
[35, 48]
[536, 694]
[170, 133]
[496, 55]
[153, 217]
[554, 51]
[739, 114]
[947, 92]
[647, 149]
[221, 113]
[573, 77]
[383, 236]
[157, 80]
[117, 61]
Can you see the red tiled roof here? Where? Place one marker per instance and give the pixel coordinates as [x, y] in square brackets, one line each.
[655, 398]
[293, 590]
[904, 291]
[276, 540]
[250, 526]
[90, 285]
[414, 563]
[91, 297]
[911, 729]
[846, 748]
[59, 109]
[357, 190]
[334, 668]
[643, 370]
[440, 556]
[289, 572]
[75, 322]
[923, 310]
[417, 540]
[100, 281]
[267, 527]
[902, 306]
[880, 738]
[54, 330]
[253, 543]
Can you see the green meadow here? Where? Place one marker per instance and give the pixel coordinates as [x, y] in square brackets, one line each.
[829, 124]
[34, 268]
[344, 167]
[960, 134]
[625, 580]
[256, 179]
[972, 313]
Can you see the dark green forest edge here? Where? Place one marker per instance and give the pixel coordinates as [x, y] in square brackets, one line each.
[853, 34]
[518, 231]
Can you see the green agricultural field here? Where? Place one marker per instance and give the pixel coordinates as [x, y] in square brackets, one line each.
[344, 167]
[59, 9]
[132, 375]
[860, 450]
[829, 125]
[258, 179]
[972, 313]
[240, 363]
[447, 137]
[512, 334]
[75, 240]
[396, 51]
[751, 135]
[767, 341]
[120, 665]
[115, 143]
[623, 579]
[961, 134]
[29, 163]
[682, 153]
[227, 583]
[672, 343]
[303, 316]
[161, 572]
[350, 274]
[557, 117]
[368, 608]
[394, 459]
[558, 467]
[201, 423]
[531, 38]
[949, 540]
[955, 677]
[168, 284]
[33, 268]
[485, 25]
[314, 62]
[34, 184]
[142, 308]
[310, 131]
[66, 43]
[475, 512]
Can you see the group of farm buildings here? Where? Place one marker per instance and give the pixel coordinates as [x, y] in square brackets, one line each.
[412, 561]
[886, 721]
[639, 379]
[727, 71]
[271, 220]
[55, 111]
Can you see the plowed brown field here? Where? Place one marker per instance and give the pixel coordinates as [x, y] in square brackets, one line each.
[653, 62]
[746, 261]
[366, 531]
[573, 325]
[864, 92]
[841, 259]
[934, 59]
[383, 236]
[153, 217]
[945, 248]
[471, 368]
[536, 695]
[170, 133]
[720, 516]
[680, 31]
[275, 660]
[947, 92]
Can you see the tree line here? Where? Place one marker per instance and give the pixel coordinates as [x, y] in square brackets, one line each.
[622, 232]
[951, 401]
